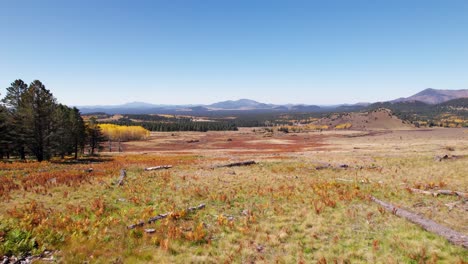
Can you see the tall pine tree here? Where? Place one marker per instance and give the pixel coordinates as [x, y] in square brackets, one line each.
[14, 102]
[38, 110]
[78, 129]
[4, 132]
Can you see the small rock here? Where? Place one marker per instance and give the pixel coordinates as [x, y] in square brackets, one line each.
[52, 181]
[260, 248]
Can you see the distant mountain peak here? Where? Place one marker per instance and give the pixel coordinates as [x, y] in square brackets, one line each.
[239, 104]
[434, 96]
[137, 104]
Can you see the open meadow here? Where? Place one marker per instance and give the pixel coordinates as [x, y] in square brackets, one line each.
[307, 199]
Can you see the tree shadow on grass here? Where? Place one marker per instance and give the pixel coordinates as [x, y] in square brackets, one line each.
[84, 160]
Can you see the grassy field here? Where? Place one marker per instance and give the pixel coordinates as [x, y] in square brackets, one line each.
[296, 205]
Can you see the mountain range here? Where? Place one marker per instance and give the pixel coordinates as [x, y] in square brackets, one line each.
[428, 96]
[434, 96]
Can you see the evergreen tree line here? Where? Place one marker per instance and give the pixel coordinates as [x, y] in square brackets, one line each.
[189, 126]
[33, 123]
[179, 125]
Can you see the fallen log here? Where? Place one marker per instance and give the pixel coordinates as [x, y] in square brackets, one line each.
[237, 164]
[442, 192]
[451, 235]
[329, 166]
[162, 216]
[123, 174]
[162, 167]
[323, 166]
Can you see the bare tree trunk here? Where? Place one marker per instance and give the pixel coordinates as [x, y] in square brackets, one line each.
[22, 153]
[76, 149]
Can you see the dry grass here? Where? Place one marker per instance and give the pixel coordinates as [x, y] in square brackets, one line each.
[280, 210]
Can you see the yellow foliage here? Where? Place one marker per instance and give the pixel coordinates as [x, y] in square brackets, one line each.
[124, 133]
[343, 126]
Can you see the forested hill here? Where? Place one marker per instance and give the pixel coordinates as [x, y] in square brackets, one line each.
[436, 114]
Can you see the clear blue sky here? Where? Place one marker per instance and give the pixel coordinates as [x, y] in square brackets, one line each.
[203, 51]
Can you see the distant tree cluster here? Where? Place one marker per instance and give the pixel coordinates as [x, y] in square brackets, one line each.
[118, 133]
[33, 123]
[184, 124]
[453, 113]
[124, 133]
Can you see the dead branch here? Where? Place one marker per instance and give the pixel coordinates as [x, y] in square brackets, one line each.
[236, 164]
[123, 174]
[162, 167]
[150, 230]
[455, 204]
[437, 192]
[451, 235]
[162, 216]
[343, 180]
[440, 158]
[413, 190]
[450, 192]
[447, 157]
[363, 181]
[323, 166]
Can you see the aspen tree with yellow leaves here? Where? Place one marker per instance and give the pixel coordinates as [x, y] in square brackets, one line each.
[116, 133]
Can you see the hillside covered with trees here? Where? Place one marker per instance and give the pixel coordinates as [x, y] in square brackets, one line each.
[453, 113]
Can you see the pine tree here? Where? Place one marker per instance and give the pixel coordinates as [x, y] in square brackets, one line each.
[62, 138]
[13, 102]
[37, 109]
[78, 129]
[4, 133]
[31, 119]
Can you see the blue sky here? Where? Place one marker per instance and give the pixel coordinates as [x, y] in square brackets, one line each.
[203, 51]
